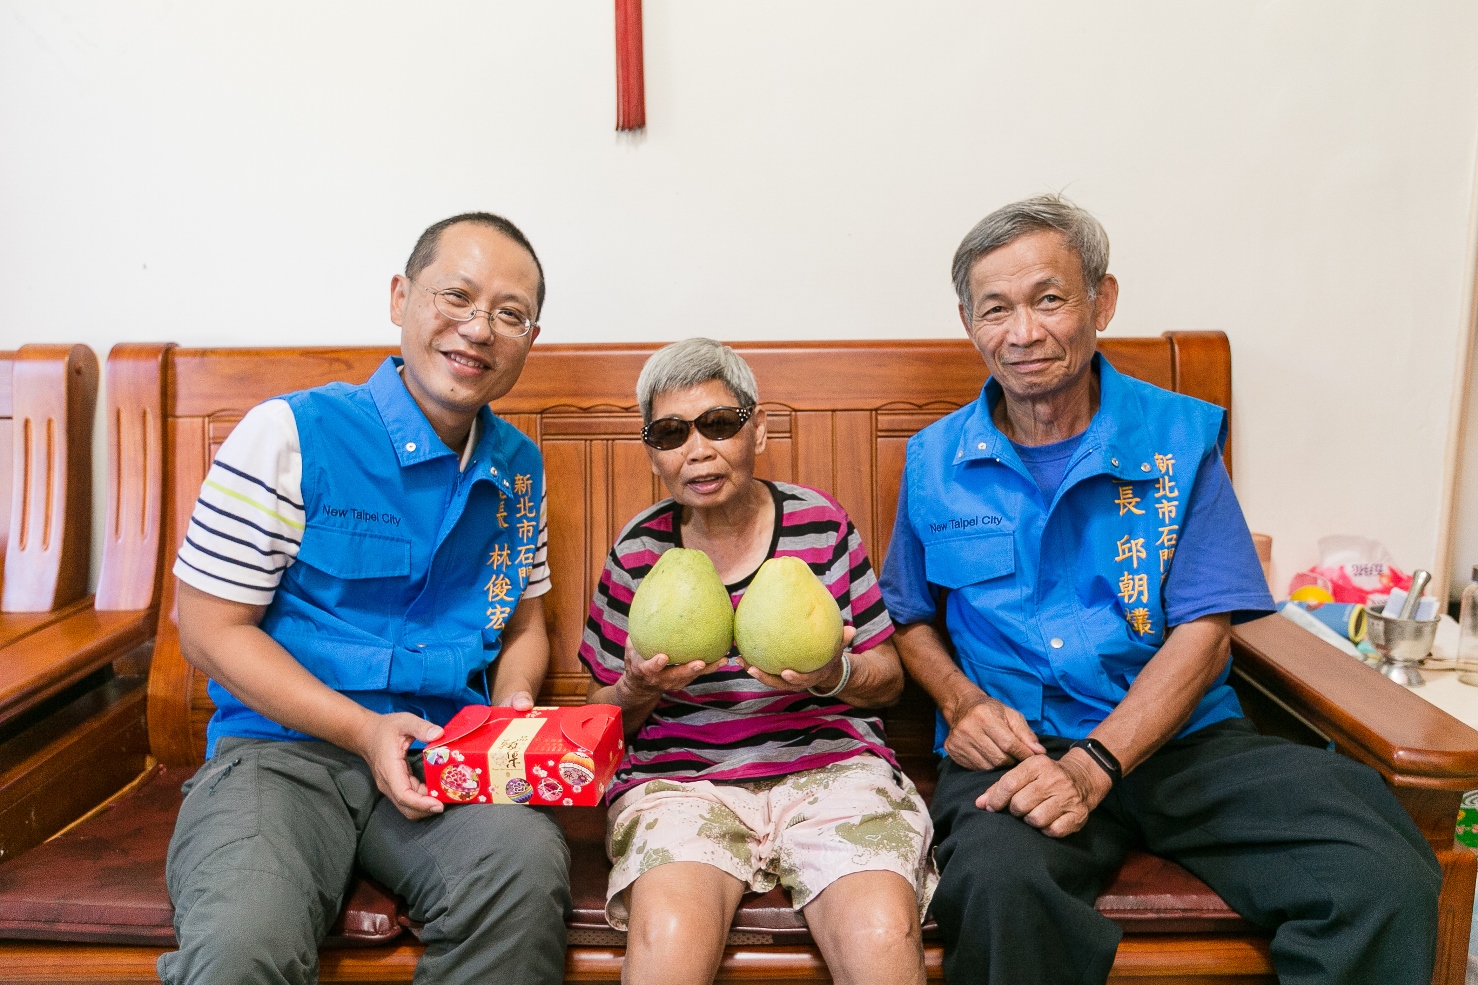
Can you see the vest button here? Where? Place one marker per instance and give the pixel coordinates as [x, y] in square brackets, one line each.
[981, 446]
[1144, 466]
[1056, 643]
[410, 446]
[1114, 462]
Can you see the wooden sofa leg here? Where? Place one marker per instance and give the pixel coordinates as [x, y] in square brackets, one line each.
[1454, 915]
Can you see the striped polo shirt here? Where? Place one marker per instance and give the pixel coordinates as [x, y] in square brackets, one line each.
[727, 726]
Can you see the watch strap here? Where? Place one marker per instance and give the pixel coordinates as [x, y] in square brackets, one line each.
[1100, 754]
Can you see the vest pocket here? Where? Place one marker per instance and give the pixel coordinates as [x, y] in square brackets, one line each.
[351, 554]
[439, 670]
[967, 560]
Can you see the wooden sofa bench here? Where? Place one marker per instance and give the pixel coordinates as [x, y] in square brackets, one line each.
[71, 683]
[90, 905]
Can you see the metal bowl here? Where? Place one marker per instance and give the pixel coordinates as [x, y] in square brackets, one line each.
[1402, 642]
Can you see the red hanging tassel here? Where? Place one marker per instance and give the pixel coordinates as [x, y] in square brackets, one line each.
[631, 96]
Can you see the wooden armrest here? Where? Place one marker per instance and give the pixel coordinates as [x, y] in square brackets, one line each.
[15, 626]
[1369, 717]
[1426, 756]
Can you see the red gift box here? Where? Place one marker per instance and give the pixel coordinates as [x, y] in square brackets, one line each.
[546, 756]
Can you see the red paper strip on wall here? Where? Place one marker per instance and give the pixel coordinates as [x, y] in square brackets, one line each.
[631, 95]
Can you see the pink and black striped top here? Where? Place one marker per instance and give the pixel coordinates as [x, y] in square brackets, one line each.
[726, 725]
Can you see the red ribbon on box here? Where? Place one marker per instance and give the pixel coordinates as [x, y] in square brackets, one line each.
[547, 756]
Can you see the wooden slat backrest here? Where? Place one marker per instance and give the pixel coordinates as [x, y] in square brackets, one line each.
[131, 573]
[839, 413]
[52, 399]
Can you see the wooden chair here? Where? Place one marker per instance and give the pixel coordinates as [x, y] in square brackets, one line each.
[71, 679]
[90, 905]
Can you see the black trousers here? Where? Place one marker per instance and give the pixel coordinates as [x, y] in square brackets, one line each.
[1299, 841]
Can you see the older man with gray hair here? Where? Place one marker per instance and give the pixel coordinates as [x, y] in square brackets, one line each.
[1083, 699]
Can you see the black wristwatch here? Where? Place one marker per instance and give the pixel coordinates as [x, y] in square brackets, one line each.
[1099, 753]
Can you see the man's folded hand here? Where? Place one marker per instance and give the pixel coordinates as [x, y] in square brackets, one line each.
[984, 734]
[1053, 796]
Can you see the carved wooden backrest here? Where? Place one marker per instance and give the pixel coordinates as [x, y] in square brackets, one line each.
[131, 571]
[839, 414]
[51, 396]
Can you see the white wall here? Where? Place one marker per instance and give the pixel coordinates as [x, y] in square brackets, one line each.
[1297, 175]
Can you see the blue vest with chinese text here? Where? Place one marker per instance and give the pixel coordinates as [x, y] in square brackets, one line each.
[1054, 607]
[409, 566]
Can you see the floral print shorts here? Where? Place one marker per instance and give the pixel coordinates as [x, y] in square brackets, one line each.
[804, 831]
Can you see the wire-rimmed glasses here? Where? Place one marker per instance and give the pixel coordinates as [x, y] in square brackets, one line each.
[456, 305]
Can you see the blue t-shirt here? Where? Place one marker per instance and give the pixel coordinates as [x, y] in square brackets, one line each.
[1048, 463]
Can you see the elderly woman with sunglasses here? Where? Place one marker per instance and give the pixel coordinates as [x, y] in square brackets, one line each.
[735, 779]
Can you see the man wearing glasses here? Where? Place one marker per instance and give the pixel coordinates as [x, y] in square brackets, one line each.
[362, 562]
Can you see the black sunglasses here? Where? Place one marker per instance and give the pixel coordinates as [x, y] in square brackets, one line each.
[715, 424]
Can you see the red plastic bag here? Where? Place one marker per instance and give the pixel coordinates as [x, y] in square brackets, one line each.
[1350, 569]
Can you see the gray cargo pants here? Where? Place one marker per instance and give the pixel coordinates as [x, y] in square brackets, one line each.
[270, 833]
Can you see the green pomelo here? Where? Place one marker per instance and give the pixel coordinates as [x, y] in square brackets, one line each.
[787, 618]
[682, 609]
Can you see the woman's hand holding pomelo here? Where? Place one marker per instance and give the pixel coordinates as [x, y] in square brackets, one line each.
[645, 679]
[823, 679]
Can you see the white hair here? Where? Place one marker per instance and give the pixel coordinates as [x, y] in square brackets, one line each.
[690, 363]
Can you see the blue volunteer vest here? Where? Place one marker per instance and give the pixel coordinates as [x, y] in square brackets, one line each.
[1054, 607]
[409, 566]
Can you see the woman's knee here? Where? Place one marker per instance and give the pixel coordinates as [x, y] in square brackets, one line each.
[656, 926]
[682, 908]
[878, 926]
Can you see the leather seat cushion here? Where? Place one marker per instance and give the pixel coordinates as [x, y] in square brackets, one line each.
[103, 881]
[1154, 895]
[1147, 895]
